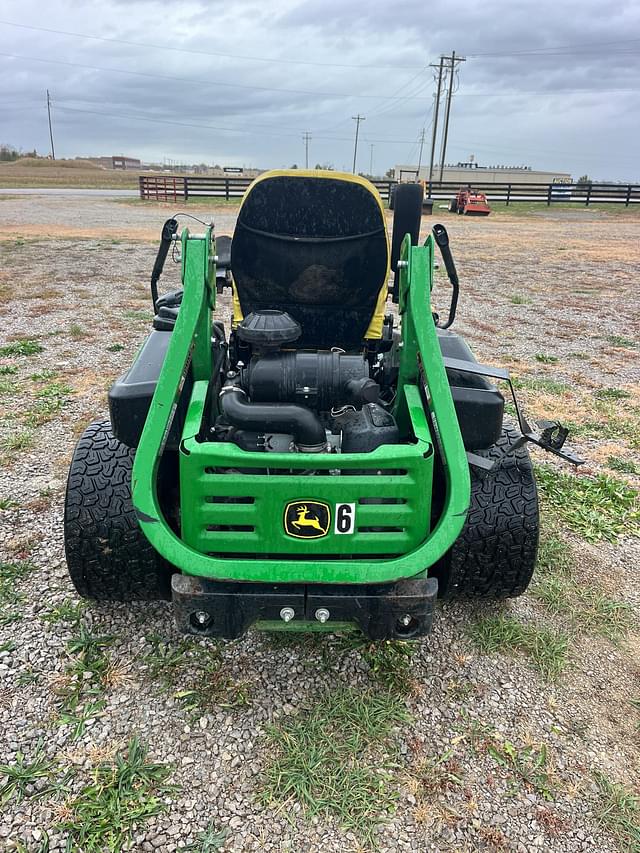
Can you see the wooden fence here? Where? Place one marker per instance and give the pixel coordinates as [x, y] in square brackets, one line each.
[184, 187]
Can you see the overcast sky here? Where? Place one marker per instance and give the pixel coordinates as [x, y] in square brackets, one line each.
[554, 84]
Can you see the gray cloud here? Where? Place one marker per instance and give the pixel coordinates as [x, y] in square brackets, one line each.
[575, 108]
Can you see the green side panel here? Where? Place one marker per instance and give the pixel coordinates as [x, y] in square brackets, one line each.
[403, 546]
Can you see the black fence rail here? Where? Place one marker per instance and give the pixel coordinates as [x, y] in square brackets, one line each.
[184, 187]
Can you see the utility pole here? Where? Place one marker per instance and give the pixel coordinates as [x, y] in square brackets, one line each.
[453, 59]
[53, 150]
[357, 120]
[436, 107]
[420, 155]
[371, 161]
[306, 137]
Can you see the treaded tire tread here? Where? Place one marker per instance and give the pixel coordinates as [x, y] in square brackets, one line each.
[495, 554]
[108, 556]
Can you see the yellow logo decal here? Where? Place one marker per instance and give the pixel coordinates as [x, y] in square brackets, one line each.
[307, 519]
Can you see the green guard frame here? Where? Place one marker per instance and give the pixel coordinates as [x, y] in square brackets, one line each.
[402, 472]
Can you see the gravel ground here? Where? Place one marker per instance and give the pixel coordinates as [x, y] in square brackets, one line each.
[489, 755]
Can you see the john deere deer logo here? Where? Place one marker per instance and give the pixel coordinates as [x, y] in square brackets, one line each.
[307, 519]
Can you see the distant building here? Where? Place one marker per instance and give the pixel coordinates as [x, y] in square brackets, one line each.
[121, 162]
[471, 172]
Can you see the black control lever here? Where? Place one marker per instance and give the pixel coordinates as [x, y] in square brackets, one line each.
[442, 239]
[168, 232]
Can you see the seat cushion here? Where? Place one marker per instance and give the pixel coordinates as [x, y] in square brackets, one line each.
[313, 244]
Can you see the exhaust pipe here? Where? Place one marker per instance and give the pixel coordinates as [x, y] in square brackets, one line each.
[302, 423]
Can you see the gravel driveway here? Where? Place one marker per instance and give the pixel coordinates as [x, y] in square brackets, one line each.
[513, 727]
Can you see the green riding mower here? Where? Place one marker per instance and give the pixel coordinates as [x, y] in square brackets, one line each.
[330, 460]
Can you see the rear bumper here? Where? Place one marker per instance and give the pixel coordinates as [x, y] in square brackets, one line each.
[403, 610]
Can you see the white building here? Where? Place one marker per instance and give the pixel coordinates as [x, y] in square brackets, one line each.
[471, 172]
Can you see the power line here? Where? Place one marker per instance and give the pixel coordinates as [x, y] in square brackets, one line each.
[53, 150]
[357, 120]
[434, 132]
[234, 56]
[209, 83]
[420, 155]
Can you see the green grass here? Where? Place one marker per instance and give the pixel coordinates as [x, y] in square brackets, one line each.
[546, 648]
[121, 797]
[195, 674]
[69, 610]
[544, 358]
[115, 348]
[7, 369]
[11, 600]
[389, 661]
[621, 341]
[519, 299]
[25, 346]
[598, 508]
[21, 440]
[540, 384]
[50, 399]
[336, 759]
[82, 685]
[137, 315]
[611, 394]
[8, 503]
[624, 466]
[619, 811]
[78, 332]
[22, 775]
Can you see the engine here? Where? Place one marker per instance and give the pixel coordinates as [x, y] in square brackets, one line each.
[279, 399]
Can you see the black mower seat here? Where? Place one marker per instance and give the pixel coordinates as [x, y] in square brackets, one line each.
[313, 244]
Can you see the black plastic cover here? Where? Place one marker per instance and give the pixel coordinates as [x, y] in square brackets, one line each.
[130, 396]
[364, 430]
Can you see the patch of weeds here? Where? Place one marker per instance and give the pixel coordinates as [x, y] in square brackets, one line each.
[599, 507]
[21, 440]
[210, 841]
[77, 332]
[195, 674]
[620, 812]
[611, 394]
[540, 384]
[43, 375]
[8, 646]
[136, 315]
[10, 599]
[7, 388]
[547, 649]
[25, 346]
[624, 466]
[23, 775]
[436, 775]
[621, 341]
[545, 358]
[82, 685]
[7, 370]
[8, 503]
[529, 765]
[67, 611]
[122, 796]
[115, 348]
[388, 661]
[50, 400]
[519, 299]
[336, 759]
[29, 676]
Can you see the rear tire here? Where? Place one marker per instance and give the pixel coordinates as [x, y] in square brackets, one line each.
[495, 555]
[108, 556]
[407, 213]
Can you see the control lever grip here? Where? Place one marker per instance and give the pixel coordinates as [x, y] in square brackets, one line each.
[168, 231]
[442, 239]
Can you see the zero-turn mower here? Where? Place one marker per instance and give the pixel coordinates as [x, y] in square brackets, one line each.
[328, 463]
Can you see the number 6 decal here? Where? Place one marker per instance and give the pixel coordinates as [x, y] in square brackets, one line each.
[345, 518]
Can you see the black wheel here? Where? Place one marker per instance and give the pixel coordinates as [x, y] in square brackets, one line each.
[108, 556]
[495, 555]
[453, 205]
[407, 213]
